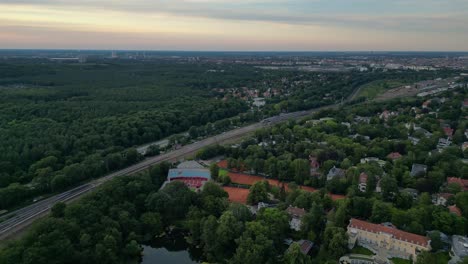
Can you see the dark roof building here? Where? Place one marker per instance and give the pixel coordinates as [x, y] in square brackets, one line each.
[295, 211]
[418, 169]
[459, 249]
[335, 173]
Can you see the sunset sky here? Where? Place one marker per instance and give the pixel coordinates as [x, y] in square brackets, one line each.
[256, 25]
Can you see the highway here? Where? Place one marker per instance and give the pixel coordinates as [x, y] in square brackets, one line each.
[17, 220]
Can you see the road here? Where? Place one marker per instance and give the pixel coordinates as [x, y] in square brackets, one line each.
[17, 220]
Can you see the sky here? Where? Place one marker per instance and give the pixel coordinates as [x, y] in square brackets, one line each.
[236, 25]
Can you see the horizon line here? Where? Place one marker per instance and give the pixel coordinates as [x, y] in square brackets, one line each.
[233, 51]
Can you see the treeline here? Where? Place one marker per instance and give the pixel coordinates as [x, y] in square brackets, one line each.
[84, 125]
[110, 225]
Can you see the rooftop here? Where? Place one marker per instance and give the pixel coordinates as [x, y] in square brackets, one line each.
[460, 246]
[455, 210]
[306, 246]
[190, 164]
[418, 169]
[294, 211]
[363, 178]
[462, 182]
[394, 155]
[189, 173]
[396, 233]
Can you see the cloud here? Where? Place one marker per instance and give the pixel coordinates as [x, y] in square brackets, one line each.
[276, 24]
[285, 12]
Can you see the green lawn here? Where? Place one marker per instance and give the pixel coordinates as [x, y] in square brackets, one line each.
[372, 89]
[223, 172]
[441, 257]
[362, 251]
[400, 261]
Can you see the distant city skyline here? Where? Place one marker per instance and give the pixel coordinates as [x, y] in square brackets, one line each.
[241, 25]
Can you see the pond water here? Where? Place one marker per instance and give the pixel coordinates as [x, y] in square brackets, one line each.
[171, 249]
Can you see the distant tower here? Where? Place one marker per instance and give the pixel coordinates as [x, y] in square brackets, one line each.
[114, 55]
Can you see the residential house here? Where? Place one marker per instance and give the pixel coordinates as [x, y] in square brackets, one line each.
[385, 115]
[314, 166]
[391, 242]
[448, 131]
[362, 119]
[426, 104]
[465, 103]
[394, 156]
[335, 173]
[459, 181]
[296, 215]
[441, 198]
[347, 124]
[304, 245]
[464, 146]
[413, 192]
[443, 143]
[363, 182]
[423, 131]
[373, 159]
[455, 210]
[356, 136]
[459, 249]
[418, 169]
[414, 140]
[378, 188]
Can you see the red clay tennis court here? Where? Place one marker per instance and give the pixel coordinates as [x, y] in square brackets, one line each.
[237, 195]
[246, 179]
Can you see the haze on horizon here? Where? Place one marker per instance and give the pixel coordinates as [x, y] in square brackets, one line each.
[260, 25]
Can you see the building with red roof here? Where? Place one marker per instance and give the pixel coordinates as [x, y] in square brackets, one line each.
[455, 210]
[314, 166]
[448, 131]
[392, 242]
[394, 156]
[459, 181]
[426, 104]
[304, 245]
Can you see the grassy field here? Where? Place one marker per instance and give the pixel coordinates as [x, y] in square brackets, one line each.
[442, 257]
[439, 258]
[372, 89]
[223, 172]
[400, 261]
[362, 251]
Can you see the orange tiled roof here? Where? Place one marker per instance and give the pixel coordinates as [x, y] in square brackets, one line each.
[455, 210]
[394, 155]
[462, 182]
[396, 233]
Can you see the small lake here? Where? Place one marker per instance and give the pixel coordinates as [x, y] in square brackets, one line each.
[171, 249]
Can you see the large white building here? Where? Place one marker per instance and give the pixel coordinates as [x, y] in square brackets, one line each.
[388, 242]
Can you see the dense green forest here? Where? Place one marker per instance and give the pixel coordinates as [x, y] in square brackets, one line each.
[62, 124]
[110, 225]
